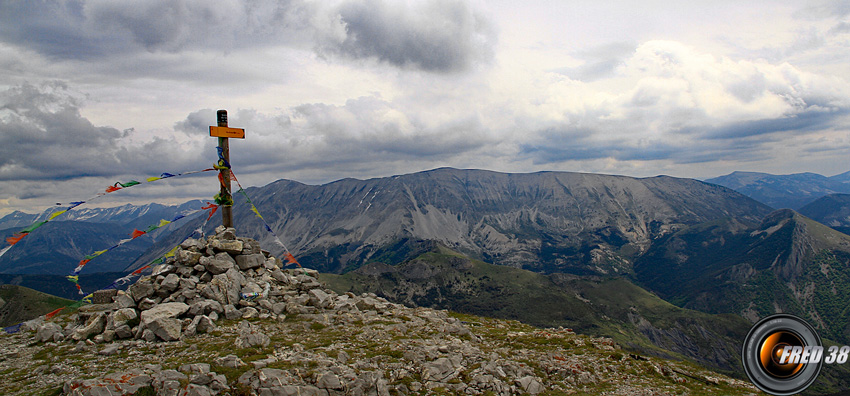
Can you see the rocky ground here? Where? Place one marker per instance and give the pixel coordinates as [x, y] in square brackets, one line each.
[222, 318]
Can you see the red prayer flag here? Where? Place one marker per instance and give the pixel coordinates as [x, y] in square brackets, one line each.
[15, 239]
[136, 233]
[212, 206]
[290, 259]
[139, 271]
[52, 314]
[112, 188]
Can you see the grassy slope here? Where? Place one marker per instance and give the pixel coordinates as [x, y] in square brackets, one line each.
[24, 304]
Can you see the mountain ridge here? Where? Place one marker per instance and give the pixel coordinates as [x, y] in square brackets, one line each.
[832, 210]
[791, 191]
[788, 263]
[561, 219]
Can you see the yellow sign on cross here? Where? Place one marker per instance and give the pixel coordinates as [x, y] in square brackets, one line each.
[225, 132]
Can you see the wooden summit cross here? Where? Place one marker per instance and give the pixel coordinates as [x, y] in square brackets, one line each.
[223, 132]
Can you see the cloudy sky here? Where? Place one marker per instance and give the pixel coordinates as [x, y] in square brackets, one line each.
[98, 91]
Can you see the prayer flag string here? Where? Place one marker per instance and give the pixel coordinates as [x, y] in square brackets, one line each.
[126, 279]
[137, 233]
[12, 240]
[288, 257]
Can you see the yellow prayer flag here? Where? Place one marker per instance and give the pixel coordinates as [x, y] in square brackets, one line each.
[257, 212]
[53, 216]
[172, 251]
[153, 178]
[163, 222]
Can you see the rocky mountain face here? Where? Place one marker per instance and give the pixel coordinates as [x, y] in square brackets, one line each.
[222, 317]
[789, 263]
[784, 191]
[832, 210]
[548, 222]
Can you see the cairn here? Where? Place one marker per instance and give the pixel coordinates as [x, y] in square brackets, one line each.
[224, 276]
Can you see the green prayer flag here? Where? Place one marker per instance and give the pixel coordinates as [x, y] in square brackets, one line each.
[32, 227]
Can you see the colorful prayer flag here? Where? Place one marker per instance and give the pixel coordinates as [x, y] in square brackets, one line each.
[15, 239]
[53, 216]
[52, 314]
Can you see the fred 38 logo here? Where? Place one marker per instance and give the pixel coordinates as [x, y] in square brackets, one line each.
[783, 355]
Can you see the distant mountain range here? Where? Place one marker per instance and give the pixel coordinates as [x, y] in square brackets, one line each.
[547, 222]
[59, 245]
[128, 214]
[784, 191]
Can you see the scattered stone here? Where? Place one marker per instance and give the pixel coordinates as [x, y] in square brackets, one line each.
[250, 336]
[169, 284]
[104, 296]
[49, 332]
[110, 349]
[166, 310]
[232, 247]
[329, 380]
[124, 300]
[142, 289]
[229, 361]
[120, 317]
[530, 385]
[167, 329]
[94, 325]
[246, 262]
[231, 313]
[249, 313]
[320, 299]
[146, 304]
[123, 331]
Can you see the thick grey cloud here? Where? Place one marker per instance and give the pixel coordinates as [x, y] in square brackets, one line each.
[812, 120]
[435, 36]
[561, 144]
[44, 136]
[581, 147]
[363, 130]
[56, 29]
[93, 29]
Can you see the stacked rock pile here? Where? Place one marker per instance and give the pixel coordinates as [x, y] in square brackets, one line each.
[224, 276]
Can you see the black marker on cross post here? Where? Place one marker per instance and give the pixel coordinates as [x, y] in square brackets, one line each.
[223, 132]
